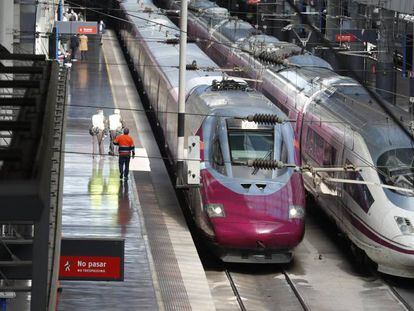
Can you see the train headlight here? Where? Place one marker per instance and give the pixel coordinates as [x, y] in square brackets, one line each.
[296, 212]
[405, 225]
[215, 210]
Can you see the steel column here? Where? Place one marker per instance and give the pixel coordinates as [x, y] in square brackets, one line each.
[332, 18]
[385, 74]
[412, 74]
[181, 91]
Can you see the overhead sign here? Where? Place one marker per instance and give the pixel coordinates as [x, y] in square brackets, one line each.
[349, 37]
[92, 259]
[87, 28]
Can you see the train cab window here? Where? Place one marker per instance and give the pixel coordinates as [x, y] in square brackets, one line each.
[250, 144]
[359, 192]
[283, 152]
[397, 169]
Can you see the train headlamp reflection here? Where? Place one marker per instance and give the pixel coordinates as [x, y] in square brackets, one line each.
[215, 210]
[296, 212]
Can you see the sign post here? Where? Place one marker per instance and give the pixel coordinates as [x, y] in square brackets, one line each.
[85, 259]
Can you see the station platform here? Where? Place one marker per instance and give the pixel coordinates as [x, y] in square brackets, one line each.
[162, 267]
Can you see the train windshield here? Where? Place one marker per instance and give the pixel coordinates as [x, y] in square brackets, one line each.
[249, 145]
[397, 169]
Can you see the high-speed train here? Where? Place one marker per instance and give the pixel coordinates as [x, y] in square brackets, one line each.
[338, 125]
[247, 216]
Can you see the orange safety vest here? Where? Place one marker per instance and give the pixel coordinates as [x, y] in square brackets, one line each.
[126, 145]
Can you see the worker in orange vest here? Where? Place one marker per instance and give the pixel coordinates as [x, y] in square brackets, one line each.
[126, 148]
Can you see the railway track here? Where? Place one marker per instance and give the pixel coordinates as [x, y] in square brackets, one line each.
[400, 298]
[296, 291]
[320, 260]
[251, 306]
[235, 291]
[403, 291]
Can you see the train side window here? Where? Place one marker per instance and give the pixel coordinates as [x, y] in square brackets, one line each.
[329, 155]
[319, 149]
[310, 141]
[359, 192]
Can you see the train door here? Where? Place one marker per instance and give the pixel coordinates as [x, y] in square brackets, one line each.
[321, 148]
[349, 190]
[307, 148]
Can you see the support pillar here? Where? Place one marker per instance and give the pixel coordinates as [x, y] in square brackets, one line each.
[356, 63]
[412, 74]
[333, 10]
[40, 273]
[385, 74]
[6, 24]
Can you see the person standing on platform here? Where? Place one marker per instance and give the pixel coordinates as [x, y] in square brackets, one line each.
[98, 130]
[74, 44]
[126, 148]
[101, 30]
[116, 124]
[74, 16]
[83, 47]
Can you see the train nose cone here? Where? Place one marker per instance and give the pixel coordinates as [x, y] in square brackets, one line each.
[262, 235]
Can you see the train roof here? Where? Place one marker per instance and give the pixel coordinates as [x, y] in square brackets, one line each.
[236, 30]
[204, 101]
[233, 103]
[342, 96]
[348, 103]
[351, 104]
[156, 30]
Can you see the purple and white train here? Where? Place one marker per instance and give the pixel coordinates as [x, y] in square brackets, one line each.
[247, 217]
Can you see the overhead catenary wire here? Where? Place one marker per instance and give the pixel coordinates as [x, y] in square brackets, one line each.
[351, 72]
[201, 114]
[299, 169]
[159, 24]
[178, 30]
[150, 21]
[164, 11]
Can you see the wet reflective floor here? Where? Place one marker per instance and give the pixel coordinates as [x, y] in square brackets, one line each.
[162, 267]
[96, 203]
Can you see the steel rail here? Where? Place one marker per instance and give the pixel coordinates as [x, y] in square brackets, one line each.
[399, 297]
[235, 291]
[296, 291]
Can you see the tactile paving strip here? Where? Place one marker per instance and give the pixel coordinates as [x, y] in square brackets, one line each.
[173, 291]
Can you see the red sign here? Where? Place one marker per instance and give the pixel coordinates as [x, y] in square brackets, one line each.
[87, 30]
[345, 37]
[90, 268]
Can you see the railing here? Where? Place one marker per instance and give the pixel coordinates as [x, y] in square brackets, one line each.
[30, 200]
